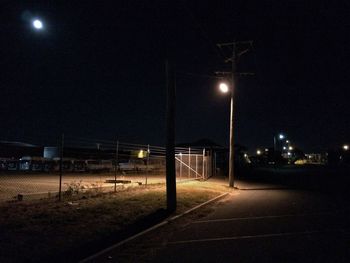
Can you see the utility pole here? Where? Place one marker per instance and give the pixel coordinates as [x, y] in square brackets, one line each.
[235, 55]
[170, 139]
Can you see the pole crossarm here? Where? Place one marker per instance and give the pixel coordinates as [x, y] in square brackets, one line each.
[250, 42]
[228, 73]
[246, 74]
[235, 52]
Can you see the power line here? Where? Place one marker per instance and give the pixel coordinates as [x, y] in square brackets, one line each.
[203, 32]
[197, 74]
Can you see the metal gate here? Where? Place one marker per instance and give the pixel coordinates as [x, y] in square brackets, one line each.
[192, 164]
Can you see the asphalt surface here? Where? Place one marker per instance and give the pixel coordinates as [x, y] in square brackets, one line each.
[258, 223]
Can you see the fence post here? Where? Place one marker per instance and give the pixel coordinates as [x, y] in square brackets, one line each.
[189, 162]
[208, 166]
[214, 164]
[180, 165]
[61, 168]
[148, 153]
[196, 165]
[116, 166]
[203, 167]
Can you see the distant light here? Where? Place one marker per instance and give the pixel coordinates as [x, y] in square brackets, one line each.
[258, 152]
[141, 154]
[245, 155]
[290, 148]
[289, 154]
[287, 141]
[284, 148]
[223, 87]
[281, 136]
[346, 147]
[266, 150]
[37, 24]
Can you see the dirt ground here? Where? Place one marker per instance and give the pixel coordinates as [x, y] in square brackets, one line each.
[52, 231]
[43, 185]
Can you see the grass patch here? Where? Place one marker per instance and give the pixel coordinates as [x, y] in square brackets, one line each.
[39, 231]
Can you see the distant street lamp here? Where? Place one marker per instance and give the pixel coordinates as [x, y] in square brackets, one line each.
[346, 147]
[258, 152]
[280, 137]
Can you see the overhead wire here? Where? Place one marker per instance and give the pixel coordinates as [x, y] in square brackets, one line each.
[197, 75]
[203, 32]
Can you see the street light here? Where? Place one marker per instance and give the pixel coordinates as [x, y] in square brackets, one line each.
[280, 137]
[346, 147]
[225, 88]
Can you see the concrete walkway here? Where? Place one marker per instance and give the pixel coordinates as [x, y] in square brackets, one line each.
[262, 223]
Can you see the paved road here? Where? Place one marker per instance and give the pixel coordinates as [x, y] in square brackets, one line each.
[262, 223]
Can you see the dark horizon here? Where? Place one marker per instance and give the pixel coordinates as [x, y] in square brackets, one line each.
[97, 71]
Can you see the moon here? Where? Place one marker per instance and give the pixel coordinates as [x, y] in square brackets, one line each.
[37, 24]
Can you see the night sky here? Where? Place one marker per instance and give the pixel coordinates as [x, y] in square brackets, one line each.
[97, 70]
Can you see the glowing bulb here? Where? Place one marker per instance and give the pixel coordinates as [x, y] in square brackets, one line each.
[223, 87]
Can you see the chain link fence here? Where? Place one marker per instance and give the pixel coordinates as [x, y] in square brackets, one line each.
[84, 166]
